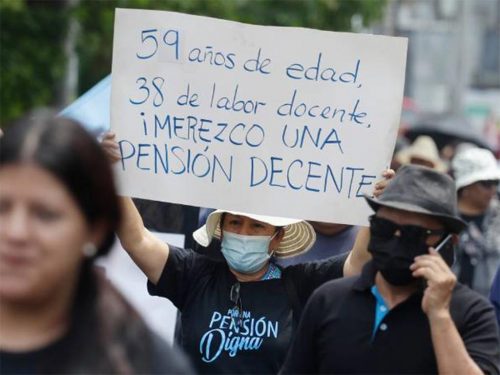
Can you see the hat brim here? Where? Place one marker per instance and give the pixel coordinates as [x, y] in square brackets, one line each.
[454, 224]
[298, 238]
[489, 175]
[404, 157]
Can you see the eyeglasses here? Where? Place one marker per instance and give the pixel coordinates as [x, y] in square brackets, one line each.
[234, 296]
[489, 184]
[386, 229]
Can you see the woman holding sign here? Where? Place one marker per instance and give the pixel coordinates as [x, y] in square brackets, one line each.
[238, 315]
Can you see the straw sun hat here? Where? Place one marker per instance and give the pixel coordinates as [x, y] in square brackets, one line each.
[298, 238]
[423, 148]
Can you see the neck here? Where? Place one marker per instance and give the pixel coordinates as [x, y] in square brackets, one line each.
[466, 208]
[392, 294]
[33, 325]
[256, 276]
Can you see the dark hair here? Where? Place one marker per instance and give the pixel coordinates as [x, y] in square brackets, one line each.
[66, 150]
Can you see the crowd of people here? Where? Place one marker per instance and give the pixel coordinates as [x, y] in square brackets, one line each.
[415, 292]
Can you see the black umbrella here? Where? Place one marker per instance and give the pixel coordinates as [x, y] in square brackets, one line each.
[447, 129]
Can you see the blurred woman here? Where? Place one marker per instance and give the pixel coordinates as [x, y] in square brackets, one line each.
[58, 212]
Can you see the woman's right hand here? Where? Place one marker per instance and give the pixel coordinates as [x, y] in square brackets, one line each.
[110, 147]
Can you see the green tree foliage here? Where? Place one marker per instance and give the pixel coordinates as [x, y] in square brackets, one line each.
[32, 32]
[31, 58]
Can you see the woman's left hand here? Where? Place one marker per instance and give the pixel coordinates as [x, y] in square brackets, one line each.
[380, 185]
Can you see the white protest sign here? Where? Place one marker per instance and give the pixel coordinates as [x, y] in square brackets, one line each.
[269, 120]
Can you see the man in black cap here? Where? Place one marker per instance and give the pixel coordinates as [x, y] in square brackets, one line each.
[405, 313]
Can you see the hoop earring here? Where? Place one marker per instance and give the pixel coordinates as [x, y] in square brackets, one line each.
[89, 250]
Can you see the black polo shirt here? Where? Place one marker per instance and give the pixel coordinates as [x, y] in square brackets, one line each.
[335, 334]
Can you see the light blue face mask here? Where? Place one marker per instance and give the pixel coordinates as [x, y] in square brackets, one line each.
[245, 254]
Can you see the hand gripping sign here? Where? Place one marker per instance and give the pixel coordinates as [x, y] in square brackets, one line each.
[280, 121]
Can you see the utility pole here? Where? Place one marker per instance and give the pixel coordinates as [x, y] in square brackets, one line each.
[462, 76]
[69, 89]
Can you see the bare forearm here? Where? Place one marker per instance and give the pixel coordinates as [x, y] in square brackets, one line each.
[451, 355]
[148, 252]
[131, 230]
[359, 254]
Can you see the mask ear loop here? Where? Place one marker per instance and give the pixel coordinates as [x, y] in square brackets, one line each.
[272, 238]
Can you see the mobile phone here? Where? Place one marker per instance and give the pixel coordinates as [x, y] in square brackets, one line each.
[443, 242]
[448, 255]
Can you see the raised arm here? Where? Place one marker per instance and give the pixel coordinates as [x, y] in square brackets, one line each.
[147, 251]
[359, 254]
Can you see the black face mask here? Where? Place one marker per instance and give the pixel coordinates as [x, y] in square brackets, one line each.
[393, 255]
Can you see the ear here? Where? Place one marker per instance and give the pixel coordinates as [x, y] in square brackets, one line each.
[98, 232]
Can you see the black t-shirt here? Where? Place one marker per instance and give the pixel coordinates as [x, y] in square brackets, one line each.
[33, 361]
[336, 333]
[164, 359]
[213, 336]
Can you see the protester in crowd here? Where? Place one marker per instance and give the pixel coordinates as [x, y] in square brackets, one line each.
[477, 174]
[331, 239]
[423, 151]
[58, 213]
[405, 313]
[495, 295]
[238, 314]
